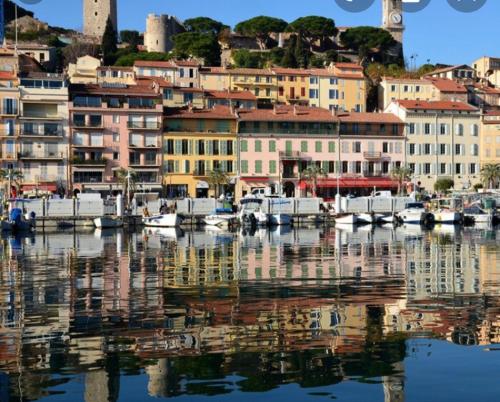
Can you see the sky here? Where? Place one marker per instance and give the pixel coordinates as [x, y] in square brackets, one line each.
[438, 33]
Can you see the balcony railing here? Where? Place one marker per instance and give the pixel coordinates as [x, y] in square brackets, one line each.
[144, 125]
[41, 155]
[200, 172]
[136, 145]
[372, 155]
[85, 124]
[374, 173]
[290, 175]
[89, 162]
[265, 130]
[292, 155]
[46, 133]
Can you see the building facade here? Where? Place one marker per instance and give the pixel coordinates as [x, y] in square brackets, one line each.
[490, 138]
[443, 140]
[115, 128]
[488, 69]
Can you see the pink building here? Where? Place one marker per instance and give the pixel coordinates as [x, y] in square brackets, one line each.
[113, 127]
[277, 145]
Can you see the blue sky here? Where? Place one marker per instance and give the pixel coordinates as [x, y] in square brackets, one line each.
[438, 33]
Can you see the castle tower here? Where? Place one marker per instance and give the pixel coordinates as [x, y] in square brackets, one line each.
[159, 32]
[95, 15]
[392, 20]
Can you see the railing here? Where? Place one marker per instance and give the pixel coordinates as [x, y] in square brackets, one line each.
[41, 116]
[292, 155]
[200, 172]
[8, 133]
[147, 125]
[33, 133]
[265, 130]
[84, 124]
[374, 173]
[151, 163]
[40, 155]
[144, 146]
[89, 162]
[372, 155]
[290, 175]
[8, 156]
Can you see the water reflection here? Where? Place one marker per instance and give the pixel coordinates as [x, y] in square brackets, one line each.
[218, 313]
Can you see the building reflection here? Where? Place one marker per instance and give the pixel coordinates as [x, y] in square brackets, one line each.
[311, 306]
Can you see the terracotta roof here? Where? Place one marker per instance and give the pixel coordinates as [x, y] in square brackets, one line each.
[354, 117]
[7, 75]
[127, 90]
[446, 85]
[214, 70]
[290, 71]
[407, 80]
[450, 68]
[156, 64]
[217, 112]
[239, 95]
[119, 68]
[186, 63]
[350, 76]
[324, 72]
[250, 71]
[488, 90]
[352, 66]
[288, 113]
[163, 83]
[436, 105]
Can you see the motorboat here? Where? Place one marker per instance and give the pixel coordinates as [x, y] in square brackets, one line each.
[369, 218]
[346, 219]
[20, 222]
[162, 221]
[277, 216]
[478, 215]
[251, 213]
[280, 219]
[223, 218]
[6, 225]
[387, 219]
[415, 213]
[447, 210]
[108, 222]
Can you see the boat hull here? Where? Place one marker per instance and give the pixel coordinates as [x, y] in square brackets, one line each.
[447, 217]
[369, 218]
[162, 221]
[346, 220]
[280, 219]
[108, 223]
[219, 221]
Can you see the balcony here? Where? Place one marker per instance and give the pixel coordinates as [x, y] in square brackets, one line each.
[8, 132]
[41, 155]
[292, 156]
[374, 173]
[278, 131]
[144, 125]
[43, 133]
[372, 155]
[89, 162]
[8, 156]
[145, 146]
[290, 175]
[200, 173]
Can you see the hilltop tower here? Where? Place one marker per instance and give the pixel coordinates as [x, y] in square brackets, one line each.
[159, 32]
[392, 21]
[95, 15]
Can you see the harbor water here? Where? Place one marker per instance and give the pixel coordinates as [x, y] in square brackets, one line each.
[305, 314]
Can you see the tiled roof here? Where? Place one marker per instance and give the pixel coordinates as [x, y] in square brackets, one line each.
[407, 80]
[436, 105]
[118, 68]
[239, 95]
[186, 63]
[250, 71]
[155, 64]
[352, 66]
[134, 90]
[287, 113]
[6, 75]
[446, 85]
[214, 70]
[450, 68]
[354, 117]
[217, 112]
[290, 71]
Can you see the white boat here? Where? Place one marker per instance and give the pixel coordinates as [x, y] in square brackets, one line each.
[446, 216]
[446, 210]
[346, 219]
[221, 218]
[108, 222]
[162, 221]
[280, 219]
[414, 213]
[251, 213]
[387, 219]
[478, 215]
[369, 218]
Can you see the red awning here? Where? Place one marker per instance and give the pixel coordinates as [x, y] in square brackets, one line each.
[41, 187]
[255, 178]
[361, 182]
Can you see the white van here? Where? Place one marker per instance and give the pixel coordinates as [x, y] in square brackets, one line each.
[382, 194]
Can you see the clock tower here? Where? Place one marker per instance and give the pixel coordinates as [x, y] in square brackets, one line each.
[392, 19]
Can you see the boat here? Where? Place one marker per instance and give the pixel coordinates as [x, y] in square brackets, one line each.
[415, 213]
[478, 215]
[223, 217]
[22, 223]
[251, 213]
[108, 222]
[387, 219]
[346, 219]
[6, 225]
[162, 221]
[277, 217]
[369, 218]
[446, 210]
[280, 219]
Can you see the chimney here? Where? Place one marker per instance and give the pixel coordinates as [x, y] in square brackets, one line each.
[295, 110]
[334, 112]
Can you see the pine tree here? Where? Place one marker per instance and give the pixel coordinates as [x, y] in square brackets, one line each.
[301, 54]
[108, 44]
[289, 60]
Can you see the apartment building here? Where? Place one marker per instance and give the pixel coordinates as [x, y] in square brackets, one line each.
[263, 83]
[334, 87]
[196, 142]
[391, 89]
[442, 141]
[215, 78]
[115, 128]
[182, 73]
[293, 86]
[84, 70]
[449, 90]
[484, 96]
[490, 137]
[43, 136]
[9, 111]
[488, 69]
[115, 75]
[463, 73]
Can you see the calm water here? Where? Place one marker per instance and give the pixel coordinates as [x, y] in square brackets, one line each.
[302, 315]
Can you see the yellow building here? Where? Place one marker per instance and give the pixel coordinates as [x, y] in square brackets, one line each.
[261, 82]
[391, 89]
[488, 68]
[115, 75]
[340, 86]
[215, 78]
[196, 142]
[490, 138]
[293, 85]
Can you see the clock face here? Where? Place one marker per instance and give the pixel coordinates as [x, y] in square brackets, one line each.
[396, 18]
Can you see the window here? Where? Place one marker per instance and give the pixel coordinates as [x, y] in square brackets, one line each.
[427, 128]
[229, 147]
[460, 130]
[303, 146]
[288, 147]
[474, 150]
[442, 149]
[427, 168]
[356, 147]
[417, 88]
[258, 146]
[319, 146]
[345, 167]
[385, 147]
[96, 140]
[474, 130]
[411, 149]
[334, 81]
[244, 166]
[406, 88]
[395, 129]
[393, 88]
[170, 147]
[272, 146]
[427, 149]
[185, 147]
[313, 93]
[333, 93]
[472, 168]
[442, 168]
[215, 147]
[313, 80]
[116, 156]
[331, 147]
[78, 139]
[458, 149]
[200, 148]
[458, 168]
[411, 128]
[258, 166]
[116, 138]
[272, 167]
[244, 146]
[443, 129]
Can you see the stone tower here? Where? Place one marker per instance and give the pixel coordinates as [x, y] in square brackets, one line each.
[95, 15]
[392, 20]
[159, 32]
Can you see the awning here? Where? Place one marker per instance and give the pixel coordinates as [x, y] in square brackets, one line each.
[256, 179]
[202, 185]
[41, 187]
[358, 182]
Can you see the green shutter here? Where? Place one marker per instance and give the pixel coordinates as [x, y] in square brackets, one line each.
[303, 146]
[272, 167]
[258, 146]
[244, 146]
[178, 147]
[331, 146]
[201, 125]
[324, 166]
[244, 166]
[288, 147]
[319, 147]
[258, 166]
[272, 146]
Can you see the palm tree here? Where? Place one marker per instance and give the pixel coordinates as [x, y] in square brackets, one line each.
[217, 178]
[127, 179]
[9, 176]
[312, 174]
[490, 175]
[401, 174]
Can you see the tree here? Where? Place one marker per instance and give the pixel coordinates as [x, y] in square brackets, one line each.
[128, 180]
[128, 59]
[289, 60]
[72, 52]
[367, 41]
[443, 184]
[10, 177]
[195, 44]
[490, 175]
[108, 44]
[217, 178]
[260, 27]
[301, 54]
[311, 175]
[204, 25]
[401, 174]
[313, 28]
[133, 38]
[244, 58]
